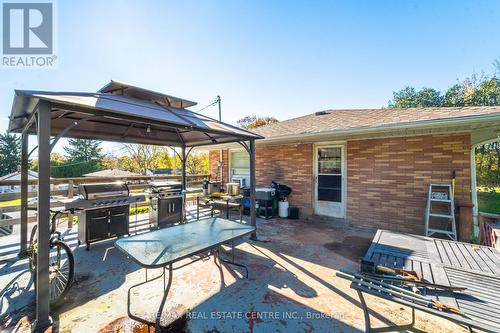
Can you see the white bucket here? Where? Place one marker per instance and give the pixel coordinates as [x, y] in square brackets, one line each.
[283, 208]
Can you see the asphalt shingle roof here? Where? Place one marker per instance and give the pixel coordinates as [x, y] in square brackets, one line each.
[345, 119]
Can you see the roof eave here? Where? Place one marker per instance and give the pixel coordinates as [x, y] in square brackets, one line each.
[390, 127]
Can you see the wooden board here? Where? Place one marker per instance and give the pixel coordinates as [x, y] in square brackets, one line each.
[448, 263]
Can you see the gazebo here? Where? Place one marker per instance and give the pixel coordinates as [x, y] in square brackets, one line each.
[117, 112]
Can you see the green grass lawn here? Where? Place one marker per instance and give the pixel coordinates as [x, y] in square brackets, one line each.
[488, 199]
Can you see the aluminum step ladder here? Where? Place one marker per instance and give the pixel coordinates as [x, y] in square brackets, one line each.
[442, 196]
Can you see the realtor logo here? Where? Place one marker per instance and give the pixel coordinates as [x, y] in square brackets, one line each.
[28, 34]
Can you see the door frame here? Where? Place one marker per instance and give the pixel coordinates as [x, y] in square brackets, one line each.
[343, 146]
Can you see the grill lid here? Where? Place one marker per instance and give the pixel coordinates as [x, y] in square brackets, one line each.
[103, 190]
[165, 185]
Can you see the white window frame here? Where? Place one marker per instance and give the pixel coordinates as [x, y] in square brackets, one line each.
[230, 169]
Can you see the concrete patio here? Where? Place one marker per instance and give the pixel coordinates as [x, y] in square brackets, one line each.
[292, 287]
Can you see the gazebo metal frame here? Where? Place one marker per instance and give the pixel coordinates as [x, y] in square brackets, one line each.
[118, 112]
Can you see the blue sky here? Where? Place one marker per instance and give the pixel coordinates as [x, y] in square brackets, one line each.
[276, 58]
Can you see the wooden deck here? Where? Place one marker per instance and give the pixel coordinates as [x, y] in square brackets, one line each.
[449, 263]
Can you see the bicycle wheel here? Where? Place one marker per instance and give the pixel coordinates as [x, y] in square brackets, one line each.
[61, 270]
[33, 249]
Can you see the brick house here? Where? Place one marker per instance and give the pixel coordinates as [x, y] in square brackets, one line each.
[368, 167]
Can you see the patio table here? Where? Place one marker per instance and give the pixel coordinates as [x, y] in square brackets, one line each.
[164, 247]
[442, 262]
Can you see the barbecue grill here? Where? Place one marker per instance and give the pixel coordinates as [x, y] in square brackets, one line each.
[103, 211]
[165, 203]
[103, 195]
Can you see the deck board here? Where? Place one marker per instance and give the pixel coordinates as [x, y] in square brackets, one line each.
[449, 263]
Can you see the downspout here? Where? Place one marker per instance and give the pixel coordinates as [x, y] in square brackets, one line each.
[473, 179]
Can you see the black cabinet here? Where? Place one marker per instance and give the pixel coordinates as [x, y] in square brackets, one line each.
[99, 224]
[96, 225]
[164, 212]
[118, 221]
[169, 211]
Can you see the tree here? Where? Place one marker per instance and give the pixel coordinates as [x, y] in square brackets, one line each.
[250, 122]
[146, 156]
[109, 162]
[82, 156]
[127, 163]
[410, 98]
[57, 158]
[10, 153]
[454, 96]
[474, 91]
[83, 150]
[197, 164]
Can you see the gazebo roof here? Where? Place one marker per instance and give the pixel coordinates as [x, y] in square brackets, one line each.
[125, 89]
[115, 117]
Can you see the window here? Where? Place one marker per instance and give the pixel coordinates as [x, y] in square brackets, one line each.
[239, 164]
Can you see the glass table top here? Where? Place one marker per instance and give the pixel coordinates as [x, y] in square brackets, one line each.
[164, 246]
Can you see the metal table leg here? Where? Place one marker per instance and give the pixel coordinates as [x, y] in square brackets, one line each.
[165, 293]
[392, 328]
[197, 208]
[231, 262]
[162, 304]
[241, 213]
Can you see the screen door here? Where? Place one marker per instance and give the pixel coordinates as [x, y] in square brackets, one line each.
[329, 181]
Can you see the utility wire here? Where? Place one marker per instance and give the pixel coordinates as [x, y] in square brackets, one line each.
[209, 105]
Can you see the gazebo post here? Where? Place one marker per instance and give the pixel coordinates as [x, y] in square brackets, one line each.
[253, 213]
[24, 196]
[184, 182]
[43, 210]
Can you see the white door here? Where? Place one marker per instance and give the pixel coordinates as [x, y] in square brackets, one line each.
[329, 176]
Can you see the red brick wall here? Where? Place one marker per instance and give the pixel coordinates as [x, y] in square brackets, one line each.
[388, 179]
[287, 164]
[291, 165]
[214, 157]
